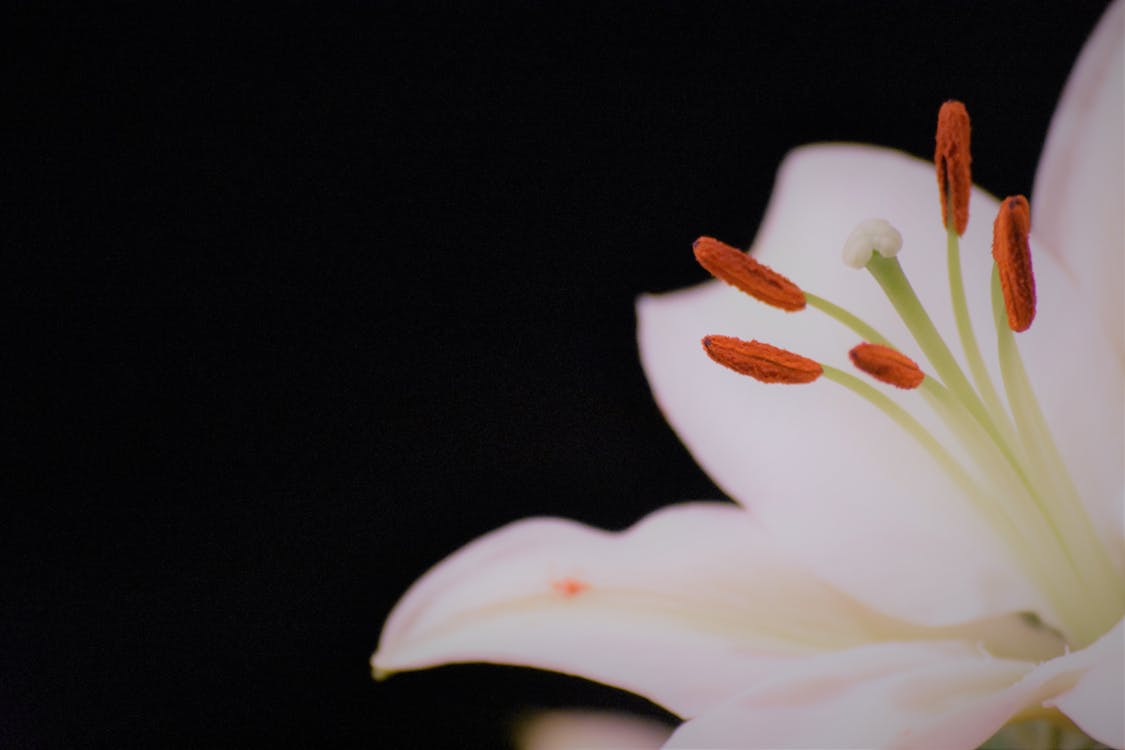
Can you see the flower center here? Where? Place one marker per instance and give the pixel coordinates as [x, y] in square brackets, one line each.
[1011, 471]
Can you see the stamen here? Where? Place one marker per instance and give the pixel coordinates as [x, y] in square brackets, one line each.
[1013, 259]
[952, 159]
[871, 236]
[1013, 474]
[888, 365]
[738, 269]
[761, 361]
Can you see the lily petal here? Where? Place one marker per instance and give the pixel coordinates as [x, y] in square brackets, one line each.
[1080, 186]
[590, 730]
[685, 608]
[829, 487]
[1095, 702]
[898, 695]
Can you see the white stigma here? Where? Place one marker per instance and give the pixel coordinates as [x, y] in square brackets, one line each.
[871, 236]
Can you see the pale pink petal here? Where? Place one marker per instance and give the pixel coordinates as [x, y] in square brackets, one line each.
[1096, 703]
[1077, 206]
[827, 473]
[897, 695]
[590, 730]
[1079, 196]
[893, 695]
[685, 608]
[833, 479]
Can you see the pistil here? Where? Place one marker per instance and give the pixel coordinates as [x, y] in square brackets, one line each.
[892, 279]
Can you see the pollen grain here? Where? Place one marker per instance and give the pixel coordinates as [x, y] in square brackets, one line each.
[763, 362]
[953, 161]
[887, 365]
[1012, 254]
[738, 269]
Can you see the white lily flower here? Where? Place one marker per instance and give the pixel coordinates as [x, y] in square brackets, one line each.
[907, 568]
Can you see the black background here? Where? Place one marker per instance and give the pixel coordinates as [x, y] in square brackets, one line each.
[302, 298]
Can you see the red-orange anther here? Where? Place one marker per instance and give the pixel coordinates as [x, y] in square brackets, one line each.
[953, 160]
[738, 269]
[888, 365]
[761, 361]
[1012, 254]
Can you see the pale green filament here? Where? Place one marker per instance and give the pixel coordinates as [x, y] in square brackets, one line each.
[865, 332]
[952, 412]
[1028, 536]
[869, 334]
[903, 419]
[969, 340]
[1064, 509]
[1008, 495]
[1021, 488]
[890, 276]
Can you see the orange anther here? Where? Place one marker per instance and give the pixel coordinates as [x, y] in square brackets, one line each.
[569, 586]
[761, 361]
[1012, 254]
[738, 269]
[888, 365]
[953, 160]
